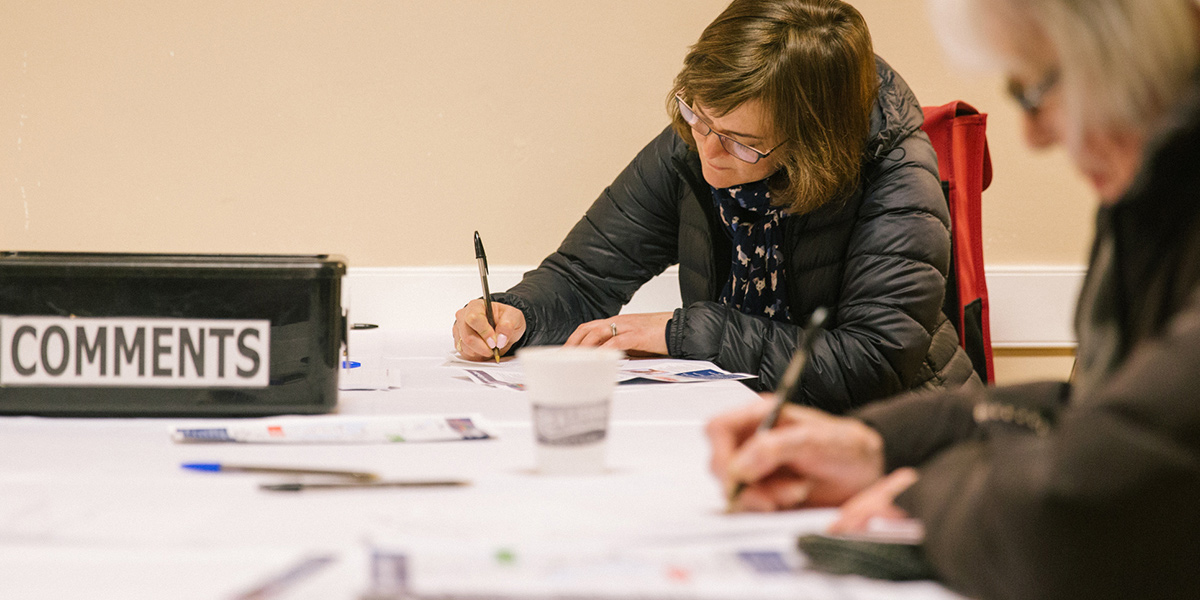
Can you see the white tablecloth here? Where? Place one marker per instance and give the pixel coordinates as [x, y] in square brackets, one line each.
[100, 508]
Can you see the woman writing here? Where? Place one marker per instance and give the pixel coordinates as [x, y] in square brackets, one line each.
[794, 176]
[1050, 490]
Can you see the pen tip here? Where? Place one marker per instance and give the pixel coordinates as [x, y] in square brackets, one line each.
[732, 497]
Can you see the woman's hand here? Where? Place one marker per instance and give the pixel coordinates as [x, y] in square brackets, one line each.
[641, 334]
[877, 501]
[474, 338]
[810, 458]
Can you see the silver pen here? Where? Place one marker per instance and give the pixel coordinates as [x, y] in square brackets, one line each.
[299, 487]
[481, 259]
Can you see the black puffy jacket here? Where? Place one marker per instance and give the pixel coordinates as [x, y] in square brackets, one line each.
[877, 259]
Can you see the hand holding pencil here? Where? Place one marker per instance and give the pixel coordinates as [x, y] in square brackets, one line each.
[486, 330]
[809, 459]
[772, 455]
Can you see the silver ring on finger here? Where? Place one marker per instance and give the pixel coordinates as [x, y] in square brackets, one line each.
[613, 328]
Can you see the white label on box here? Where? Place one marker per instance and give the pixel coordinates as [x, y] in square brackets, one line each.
[134, 352]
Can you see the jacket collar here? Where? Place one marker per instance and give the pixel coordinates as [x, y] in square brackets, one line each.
[896, 114]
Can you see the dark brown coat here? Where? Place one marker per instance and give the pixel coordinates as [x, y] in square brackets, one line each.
[1104, 500]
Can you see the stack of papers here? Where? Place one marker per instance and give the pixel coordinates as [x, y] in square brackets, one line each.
[583, 570]
[507, 374]
[743, 562]
[337, 429]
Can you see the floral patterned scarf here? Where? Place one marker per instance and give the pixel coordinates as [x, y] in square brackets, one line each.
[756, 280]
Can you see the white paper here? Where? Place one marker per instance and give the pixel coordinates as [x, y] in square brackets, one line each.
[363, 367]
[336, 429]
[508, 373]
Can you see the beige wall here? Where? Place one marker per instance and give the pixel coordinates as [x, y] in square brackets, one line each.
[388, 130]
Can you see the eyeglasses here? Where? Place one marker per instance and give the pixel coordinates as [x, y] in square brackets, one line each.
[735, 148]
[1031, 99]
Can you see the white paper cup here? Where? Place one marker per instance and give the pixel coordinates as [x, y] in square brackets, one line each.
[571, 392]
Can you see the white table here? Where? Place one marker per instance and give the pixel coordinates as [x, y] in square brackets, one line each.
[100, 508]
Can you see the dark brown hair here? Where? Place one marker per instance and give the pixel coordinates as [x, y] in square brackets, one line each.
[811, 65]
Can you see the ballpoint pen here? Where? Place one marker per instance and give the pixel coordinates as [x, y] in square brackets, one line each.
[791, 378]
[358, 476]
[481, 258]
[299, 487]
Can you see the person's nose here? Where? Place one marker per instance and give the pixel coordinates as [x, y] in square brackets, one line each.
[712, 145]
[1039, 132]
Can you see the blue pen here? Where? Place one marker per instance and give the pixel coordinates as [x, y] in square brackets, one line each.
[223, 468]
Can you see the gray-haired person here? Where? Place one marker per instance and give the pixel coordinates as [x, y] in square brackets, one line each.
[1050, 490]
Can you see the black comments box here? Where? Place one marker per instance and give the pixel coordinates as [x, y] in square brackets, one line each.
[97, 334]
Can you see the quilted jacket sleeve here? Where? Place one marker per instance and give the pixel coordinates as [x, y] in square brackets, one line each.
[890, 299]
[628, 236]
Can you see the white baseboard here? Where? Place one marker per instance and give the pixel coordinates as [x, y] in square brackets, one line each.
[1031, 306]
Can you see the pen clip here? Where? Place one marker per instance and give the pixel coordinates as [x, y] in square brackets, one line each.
[480, 255]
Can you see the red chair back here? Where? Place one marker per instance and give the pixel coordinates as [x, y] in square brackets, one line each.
[959, 136]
